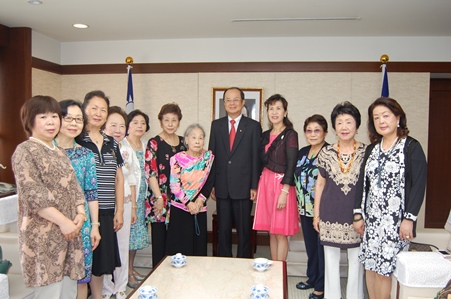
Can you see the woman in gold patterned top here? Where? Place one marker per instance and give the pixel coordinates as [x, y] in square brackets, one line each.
[339, 167]
[51, 211]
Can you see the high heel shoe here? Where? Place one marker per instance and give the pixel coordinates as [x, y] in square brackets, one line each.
[138, 276]
[132, 284]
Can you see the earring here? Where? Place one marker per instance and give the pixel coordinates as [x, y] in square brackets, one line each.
[398, 125]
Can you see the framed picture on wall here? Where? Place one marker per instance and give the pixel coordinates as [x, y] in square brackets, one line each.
[252, 107]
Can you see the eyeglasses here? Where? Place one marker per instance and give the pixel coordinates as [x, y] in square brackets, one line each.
[229, 101]
[69, 119]
[310, 132]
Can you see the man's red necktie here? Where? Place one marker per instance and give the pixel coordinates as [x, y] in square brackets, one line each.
[232, 133]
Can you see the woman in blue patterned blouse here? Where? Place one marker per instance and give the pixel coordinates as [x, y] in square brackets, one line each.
[305, 175]
[84, 164]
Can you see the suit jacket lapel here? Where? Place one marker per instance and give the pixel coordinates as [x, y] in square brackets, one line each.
[224, 129]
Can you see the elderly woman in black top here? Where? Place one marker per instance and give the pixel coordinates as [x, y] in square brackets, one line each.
[276, 209]
[389, 195]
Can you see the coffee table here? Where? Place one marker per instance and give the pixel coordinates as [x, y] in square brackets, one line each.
[214, 277]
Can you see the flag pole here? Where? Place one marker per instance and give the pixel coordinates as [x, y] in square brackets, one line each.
[129, 106]
[384, 60]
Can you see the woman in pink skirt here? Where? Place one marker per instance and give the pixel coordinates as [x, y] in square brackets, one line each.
[276, 210]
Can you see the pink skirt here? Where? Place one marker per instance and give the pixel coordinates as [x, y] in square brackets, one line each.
[267, 216]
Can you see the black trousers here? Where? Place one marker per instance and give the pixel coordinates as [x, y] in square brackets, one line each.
[315, 254]
[159, 233]
[182, 233]
[239, 211]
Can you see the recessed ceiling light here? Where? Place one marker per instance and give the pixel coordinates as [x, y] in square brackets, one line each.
[298, 19]
[35, 2]
[80, 26]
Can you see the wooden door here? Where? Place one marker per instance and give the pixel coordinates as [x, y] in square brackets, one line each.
[438, 193]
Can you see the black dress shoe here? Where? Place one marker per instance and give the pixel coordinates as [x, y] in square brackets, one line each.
[303, 286]
[315, 296]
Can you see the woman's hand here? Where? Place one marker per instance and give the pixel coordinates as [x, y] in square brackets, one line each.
[69, 229]
[95, 236]
[134, 217]
[316, 223]
[158, 206]
[118, 221]
[79, 220]
[406, 230]
[359, 226]
[282, 201]
[193, 208]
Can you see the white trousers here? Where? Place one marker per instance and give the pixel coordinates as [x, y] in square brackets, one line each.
[64, 289]
[332, 287]
[120, 273]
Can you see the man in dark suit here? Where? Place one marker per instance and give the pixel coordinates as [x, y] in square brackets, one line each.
[235, 142]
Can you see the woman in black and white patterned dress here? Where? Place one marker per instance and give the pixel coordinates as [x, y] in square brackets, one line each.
[389, 195]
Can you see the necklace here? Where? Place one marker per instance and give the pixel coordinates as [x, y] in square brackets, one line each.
[73, 152]
[43, 143]
[340, 162]
[277, 132]
[391, 146]
[166, 139]
[133, 144]
[382, 159]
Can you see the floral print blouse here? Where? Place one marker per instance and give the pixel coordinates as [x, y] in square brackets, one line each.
[158, 154]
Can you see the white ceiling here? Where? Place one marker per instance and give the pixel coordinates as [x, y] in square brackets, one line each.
[175, 19]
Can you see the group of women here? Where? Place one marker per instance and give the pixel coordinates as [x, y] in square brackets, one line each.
[86, 169]
[82, 180]
[364, 199]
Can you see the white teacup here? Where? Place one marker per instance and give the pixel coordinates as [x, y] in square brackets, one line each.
[147, 292]
[178, 263]
[259, 291]
[178, 258]
[261, 264]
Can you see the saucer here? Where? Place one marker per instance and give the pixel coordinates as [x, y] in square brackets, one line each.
[178, 265]
[259, 296]
[261, 268]
[144, 297]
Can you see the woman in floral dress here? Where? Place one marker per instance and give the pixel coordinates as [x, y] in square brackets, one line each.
[389, 195]
[158, 153]
[137, 126]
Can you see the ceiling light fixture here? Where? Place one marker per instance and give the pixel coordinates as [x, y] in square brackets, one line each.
[298, 19]
[35, 2]
[80, 26]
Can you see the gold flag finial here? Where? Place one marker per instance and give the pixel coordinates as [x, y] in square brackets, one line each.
[129, 60]
[384, 58]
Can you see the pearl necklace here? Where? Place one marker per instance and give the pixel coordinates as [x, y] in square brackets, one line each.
[43, 143]
[73, 152]
[340, 162]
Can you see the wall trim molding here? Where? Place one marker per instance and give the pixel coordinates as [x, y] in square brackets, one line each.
[225, 67]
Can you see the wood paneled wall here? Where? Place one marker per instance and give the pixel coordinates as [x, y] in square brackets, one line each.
[15, 89]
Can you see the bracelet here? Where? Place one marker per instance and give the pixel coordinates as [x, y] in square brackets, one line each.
[358, 219]
[133, 207]
[283, 190]
[159, 197]
[84, 216]
[95, 223]
[316, 217]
